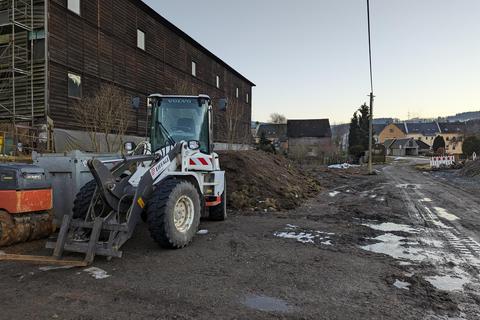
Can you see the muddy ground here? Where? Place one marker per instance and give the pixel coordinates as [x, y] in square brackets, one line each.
[399, 245]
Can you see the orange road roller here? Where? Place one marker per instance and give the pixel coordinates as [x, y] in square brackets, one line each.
[26, 202]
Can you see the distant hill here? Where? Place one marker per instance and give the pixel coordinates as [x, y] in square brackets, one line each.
[464, 116]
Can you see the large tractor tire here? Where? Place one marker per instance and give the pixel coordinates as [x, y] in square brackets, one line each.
[83, 199]
[219, 212]
[173, 213]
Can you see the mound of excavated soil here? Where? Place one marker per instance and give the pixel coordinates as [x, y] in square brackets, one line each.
[471, 169]
[259, 180]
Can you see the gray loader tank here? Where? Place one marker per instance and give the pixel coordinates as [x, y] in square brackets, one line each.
[68, 173]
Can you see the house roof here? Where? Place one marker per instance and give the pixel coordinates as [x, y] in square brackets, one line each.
[404, 143]
[452, 127]
[388, 142]
[378, 127]
[319, 128]
[422, 145]
[185, 36]
[424, 128]
[272, 130]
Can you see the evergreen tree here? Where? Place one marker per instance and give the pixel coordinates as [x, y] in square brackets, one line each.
[359, 132]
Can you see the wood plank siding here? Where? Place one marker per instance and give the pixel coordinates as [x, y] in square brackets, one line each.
[100, 45]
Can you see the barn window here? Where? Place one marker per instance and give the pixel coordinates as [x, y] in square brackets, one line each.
[194, 68]
[237, 93]
[141, 39]
[74, 85]
[217, 78]
[74, 6]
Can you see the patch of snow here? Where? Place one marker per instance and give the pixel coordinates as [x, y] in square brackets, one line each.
[442, 213]
[373, 196]
[202, 232]
[50, 268]
[393, 246]
[389, 226]
[402, 285]
[308, 236]
[426, 200]
[334, 193]
[408, 186]
[343, 166]
[327, 243]
[381, 199]
[448, 282]
[300, 237]
[97, 273]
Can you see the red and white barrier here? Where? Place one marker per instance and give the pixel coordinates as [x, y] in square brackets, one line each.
[442, 161]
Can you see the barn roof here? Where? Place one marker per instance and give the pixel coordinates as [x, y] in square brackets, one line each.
[272, 130]
[319, 128]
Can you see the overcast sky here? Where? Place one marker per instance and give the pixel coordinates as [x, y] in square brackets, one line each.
[309, 58]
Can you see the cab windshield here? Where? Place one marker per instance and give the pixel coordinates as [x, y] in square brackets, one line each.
[180, 119]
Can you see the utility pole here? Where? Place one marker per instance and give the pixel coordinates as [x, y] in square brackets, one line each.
[370, 131]
[370, 136]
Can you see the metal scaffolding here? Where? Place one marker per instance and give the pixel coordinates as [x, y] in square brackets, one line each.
[16, 62]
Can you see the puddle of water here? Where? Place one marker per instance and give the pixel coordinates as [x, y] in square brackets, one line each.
[402, 285]
[334, 193]
[97, 273]
[267, 304]
[389, 226]
[442, 213]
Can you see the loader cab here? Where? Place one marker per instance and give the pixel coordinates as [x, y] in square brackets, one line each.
[180, 118]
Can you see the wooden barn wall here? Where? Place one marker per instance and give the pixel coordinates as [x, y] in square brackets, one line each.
[101, 46]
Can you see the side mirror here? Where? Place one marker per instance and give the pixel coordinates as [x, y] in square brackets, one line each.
[129, 146]
[223, 104]
[193, 144]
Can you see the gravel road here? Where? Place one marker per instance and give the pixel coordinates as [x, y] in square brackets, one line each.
[399, 245]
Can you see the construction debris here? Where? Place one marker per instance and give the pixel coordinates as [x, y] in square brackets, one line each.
[471, 169]
[259, 180]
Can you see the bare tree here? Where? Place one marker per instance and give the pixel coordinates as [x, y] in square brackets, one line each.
[278, 118]
[237, 128]
[105, 117]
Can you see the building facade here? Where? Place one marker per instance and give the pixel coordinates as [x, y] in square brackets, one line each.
[309, 138]
[79, 45]
[391, 131]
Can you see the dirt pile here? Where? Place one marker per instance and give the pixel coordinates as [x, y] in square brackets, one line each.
[471, 169]
[260, 180]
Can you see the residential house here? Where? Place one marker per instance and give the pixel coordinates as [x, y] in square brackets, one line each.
[309, 138]
[453, 133]
[423, 131]
[392, 131]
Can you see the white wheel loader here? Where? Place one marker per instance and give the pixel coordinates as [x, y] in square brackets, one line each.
[170, 182]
